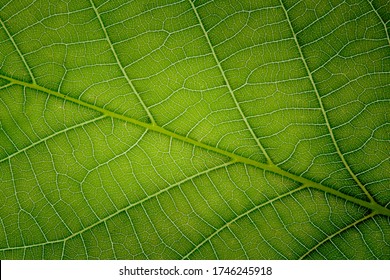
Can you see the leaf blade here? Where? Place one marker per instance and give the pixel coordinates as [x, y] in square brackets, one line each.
[246, 157]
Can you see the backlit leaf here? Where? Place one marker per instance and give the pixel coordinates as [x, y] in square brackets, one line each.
[194, 129]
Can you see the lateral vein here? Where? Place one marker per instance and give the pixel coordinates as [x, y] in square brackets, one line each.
[325, 116]
[120, 64]
[228, 85]
[336, 233]
[18, 51]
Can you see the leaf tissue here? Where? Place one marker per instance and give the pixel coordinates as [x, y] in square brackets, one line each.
[194, 129]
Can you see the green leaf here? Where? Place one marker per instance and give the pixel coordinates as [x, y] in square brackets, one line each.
[194, 129]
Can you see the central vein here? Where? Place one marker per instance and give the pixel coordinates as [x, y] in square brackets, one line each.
[375, 207]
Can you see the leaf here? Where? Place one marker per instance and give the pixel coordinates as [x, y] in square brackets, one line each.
[194, 129]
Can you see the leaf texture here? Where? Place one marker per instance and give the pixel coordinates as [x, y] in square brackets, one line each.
[194, 129]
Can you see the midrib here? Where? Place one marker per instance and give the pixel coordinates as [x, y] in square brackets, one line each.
[375, 207]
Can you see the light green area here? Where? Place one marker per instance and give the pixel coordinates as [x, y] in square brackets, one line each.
[194, 129]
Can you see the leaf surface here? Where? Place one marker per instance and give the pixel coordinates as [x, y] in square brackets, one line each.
[194, 129]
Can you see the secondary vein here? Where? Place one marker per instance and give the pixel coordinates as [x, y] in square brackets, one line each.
[381, 20]
[325, 116]
[228, 85]
[354, 224]
[18, 51]
[51, 136]
[130, 206]
[120, 64]
[241, 216]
